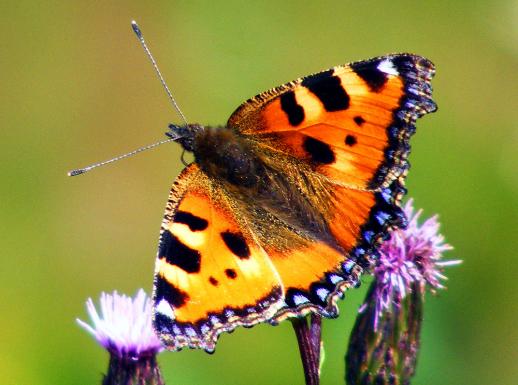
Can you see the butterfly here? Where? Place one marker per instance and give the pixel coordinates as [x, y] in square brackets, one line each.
[283, 207]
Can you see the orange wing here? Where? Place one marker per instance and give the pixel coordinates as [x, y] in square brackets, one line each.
[350, 127]
[211, 275]
[350, 123]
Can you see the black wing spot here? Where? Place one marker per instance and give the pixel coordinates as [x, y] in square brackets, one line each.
[236, 244]
[370, 74]
[213, 281]
[194, 222]
[320, 152]
[350, 140]
[231, 273]
[359, 120]
[329, 90]
[178, 254]
[293, 110]
[169, 292]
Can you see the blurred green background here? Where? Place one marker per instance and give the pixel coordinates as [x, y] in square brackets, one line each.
[75, 88]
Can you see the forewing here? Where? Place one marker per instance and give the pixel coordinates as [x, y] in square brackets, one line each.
[351, 123]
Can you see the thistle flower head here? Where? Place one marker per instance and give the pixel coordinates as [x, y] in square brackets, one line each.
[411, 257]
[385, 340]
[123, 325]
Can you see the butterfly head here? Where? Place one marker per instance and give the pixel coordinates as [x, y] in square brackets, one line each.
[185, 134]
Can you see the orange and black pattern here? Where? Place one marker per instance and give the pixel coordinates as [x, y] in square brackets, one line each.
[285, 207]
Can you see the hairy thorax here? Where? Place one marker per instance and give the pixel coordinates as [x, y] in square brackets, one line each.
[273, 186]
[227, 156]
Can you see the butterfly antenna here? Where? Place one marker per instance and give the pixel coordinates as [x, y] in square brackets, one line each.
[140, 36]
[86, 169]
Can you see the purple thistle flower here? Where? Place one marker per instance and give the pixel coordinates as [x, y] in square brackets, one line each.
[385, 340]
[412, 256]
[123, 326]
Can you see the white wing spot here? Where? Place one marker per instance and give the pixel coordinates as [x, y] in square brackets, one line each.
[388, 67]
[299, 299]
[322, 293]
[335, 279]
[165, 309]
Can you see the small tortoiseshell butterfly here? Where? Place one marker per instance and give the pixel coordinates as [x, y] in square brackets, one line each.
[285, 205]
